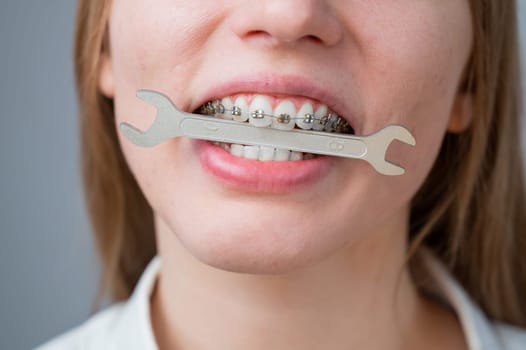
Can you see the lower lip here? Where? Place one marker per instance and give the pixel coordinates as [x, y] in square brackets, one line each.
[255, 176]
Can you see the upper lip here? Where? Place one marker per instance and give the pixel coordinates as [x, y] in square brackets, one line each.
[293, 85]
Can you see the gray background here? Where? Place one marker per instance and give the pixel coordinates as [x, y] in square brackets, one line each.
[48, 268]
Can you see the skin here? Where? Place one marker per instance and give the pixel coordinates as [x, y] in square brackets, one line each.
[284, 279]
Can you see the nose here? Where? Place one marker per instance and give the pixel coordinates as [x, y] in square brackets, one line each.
[285, 22]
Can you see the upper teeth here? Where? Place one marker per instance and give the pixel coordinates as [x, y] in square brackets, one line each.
[284, 116]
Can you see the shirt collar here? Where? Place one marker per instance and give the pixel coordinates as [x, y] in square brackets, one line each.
[478, 332]
[135, 329]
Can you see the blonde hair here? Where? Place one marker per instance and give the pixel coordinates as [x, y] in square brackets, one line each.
[471, 211]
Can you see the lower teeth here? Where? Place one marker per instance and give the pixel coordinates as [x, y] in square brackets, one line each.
[264, 153]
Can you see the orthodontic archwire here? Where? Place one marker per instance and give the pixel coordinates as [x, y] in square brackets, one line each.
[330, 122]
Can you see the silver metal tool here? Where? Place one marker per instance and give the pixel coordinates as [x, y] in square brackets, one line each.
[170, 122]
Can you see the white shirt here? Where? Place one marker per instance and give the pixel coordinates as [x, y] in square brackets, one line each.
[127, 325]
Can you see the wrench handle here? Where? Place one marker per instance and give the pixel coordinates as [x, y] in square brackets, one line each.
[228, 131]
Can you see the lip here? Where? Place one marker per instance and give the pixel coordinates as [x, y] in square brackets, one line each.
[293, 85]
[269, 177]
[255, 176]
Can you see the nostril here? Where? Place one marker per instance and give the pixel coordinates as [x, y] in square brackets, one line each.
[264, 35]
[314, 39]
[278, 22]
[256, 33]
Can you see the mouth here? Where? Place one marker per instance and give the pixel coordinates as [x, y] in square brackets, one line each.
[274, 111]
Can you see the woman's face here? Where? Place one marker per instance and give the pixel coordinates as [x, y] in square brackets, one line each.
[374, 62]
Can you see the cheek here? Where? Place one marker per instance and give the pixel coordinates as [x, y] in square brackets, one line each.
[158, 46]
[408, 73]
[155, 47]
[413, 66]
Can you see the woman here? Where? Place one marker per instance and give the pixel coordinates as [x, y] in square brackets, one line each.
[320, 253]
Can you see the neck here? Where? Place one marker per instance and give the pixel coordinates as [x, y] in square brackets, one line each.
[359, 298]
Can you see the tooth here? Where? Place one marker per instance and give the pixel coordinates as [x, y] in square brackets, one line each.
[243, 105]
[281, 155]
[251, 152]
[296, 155]
[266, 153]
[306, 109]
[285, 108]
[227, 103]
[331, 122]
[236, 150]
[320, 113]
[260, 104]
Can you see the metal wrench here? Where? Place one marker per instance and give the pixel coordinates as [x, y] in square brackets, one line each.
[170, 122]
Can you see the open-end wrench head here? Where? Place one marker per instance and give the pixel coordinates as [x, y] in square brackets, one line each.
[389, 168]
[138, 137]
[378, 143]
[403, 135]
[165, 125]
[155, 98]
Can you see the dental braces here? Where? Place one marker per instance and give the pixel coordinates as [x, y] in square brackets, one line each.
[329, 123]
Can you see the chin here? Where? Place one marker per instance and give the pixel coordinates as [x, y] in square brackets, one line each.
[244, 247]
